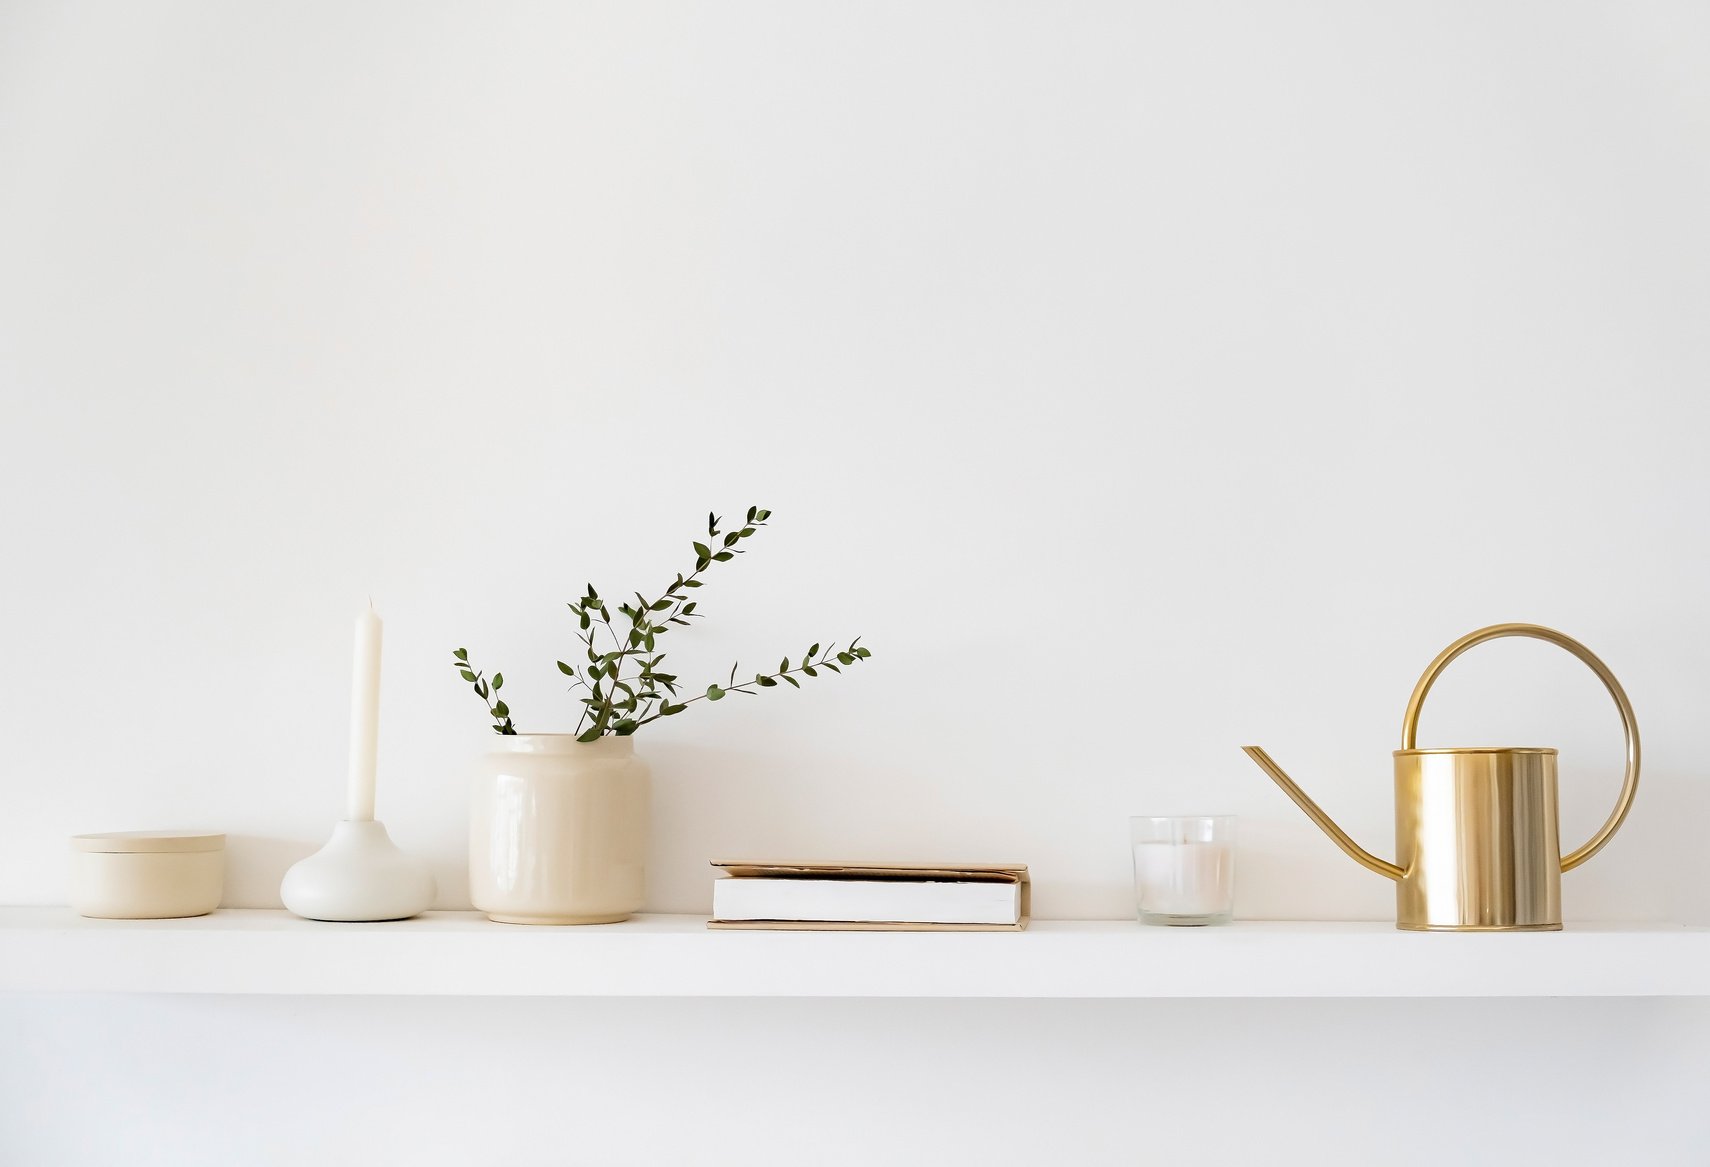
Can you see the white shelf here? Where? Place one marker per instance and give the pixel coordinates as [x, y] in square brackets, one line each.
[462, 954]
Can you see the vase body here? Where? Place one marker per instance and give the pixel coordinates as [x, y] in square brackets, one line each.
[558, 830]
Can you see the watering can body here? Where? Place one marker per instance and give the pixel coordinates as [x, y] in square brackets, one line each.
[1476, 829]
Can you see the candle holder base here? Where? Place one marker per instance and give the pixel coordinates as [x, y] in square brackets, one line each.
[359, 875]
[1186, 919]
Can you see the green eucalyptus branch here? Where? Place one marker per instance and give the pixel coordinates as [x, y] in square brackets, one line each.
[809, 667]
[626, 687]
[618, 703]
[489, 694]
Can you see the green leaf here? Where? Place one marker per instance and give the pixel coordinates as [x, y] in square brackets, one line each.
[762, 516]
[714, 693]
[712, 523]
[725, 556]
[863, 653]
[814, 651]
[809, 672]
[792, 680]
[692, 583]
[659, 606]
[751, 511]
[844, 658]
[481, 688]
[466, 675]
[668, 709]
[566, 669]
[500, 709]
[625, 727]
[593, 735]
[498, 681]
[746, 531]
[765, 682]
[460, 653]
[732, 538]
[832, 667]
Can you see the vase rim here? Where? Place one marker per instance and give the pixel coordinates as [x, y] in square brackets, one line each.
[561, 743]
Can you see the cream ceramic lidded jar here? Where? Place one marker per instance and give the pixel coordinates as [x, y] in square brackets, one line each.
[147, 875]
[558, 830]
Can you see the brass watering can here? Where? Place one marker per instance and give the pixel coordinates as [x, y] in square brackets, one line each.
[1475, 829]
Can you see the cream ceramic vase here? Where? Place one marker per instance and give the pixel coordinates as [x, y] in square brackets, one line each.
[558, 830]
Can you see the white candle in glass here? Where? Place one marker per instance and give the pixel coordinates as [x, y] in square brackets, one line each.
[1184, 879]
[364, 718]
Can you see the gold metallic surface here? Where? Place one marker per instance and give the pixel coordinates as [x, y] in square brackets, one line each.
[1316, 813]
[1475, 834]
[1476, 829]
[1629, 726]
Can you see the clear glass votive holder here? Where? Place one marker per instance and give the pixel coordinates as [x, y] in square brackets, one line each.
[1184, 868]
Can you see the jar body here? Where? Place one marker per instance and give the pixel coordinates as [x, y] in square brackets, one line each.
[558, 831]
[146, 885]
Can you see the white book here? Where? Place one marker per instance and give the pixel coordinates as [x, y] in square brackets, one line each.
[902, 901]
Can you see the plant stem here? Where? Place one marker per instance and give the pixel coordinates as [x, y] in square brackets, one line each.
[747, 686]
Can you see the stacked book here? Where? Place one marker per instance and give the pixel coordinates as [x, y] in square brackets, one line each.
[871, 897]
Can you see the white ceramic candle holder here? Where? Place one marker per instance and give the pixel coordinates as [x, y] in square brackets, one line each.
[359, 875]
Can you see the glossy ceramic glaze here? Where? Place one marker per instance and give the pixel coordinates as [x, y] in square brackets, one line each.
[558, 830]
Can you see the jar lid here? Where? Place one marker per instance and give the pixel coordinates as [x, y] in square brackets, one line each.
[132, 842]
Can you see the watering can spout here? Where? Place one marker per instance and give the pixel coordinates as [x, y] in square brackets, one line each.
[1325, 823]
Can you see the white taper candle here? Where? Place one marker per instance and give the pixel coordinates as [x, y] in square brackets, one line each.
[364, 717]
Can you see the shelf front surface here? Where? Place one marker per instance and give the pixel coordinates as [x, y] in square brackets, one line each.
[463, 954]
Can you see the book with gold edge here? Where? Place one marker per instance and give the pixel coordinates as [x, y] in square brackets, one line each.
[871, 897]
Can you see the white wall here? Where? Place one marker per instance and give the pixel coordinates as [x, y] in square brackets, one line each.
[1140, 380]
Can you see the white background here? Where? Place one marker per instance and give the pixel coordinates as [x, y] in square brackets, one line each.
[1140, 380]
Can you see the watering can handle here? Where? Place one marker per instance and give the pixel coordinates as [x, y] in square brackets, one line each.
[1410, 725]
